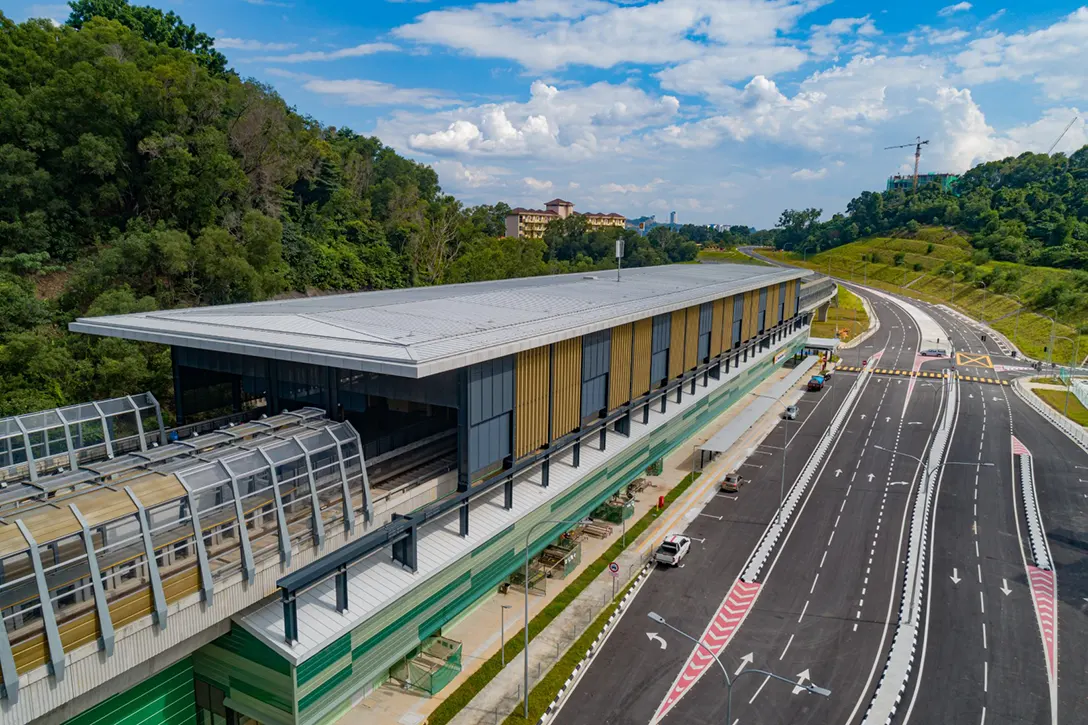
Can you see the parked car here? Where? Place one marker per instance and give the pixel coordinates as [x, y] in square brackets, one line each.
[732, 482]
[791, 412]
[932, 352]
[816, 382]
[673, 549]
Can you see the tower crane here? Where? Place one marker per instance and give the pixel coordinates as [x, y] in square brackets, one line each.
[918, 144]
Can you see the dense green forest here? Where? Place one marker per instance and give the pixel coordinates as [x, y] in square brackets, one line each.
[138, 172]
[1031, 209]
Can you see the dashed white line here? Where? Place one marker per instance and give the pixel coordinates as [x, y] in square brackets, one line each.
[982, 602]
[822, 559]
[813, 587]
[759, 690]
[984, 636]
[786, 648]
[803, 610]
[985, 673]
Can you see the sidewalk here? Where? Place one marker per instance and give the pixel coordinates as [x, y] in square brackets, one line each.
[478, 629]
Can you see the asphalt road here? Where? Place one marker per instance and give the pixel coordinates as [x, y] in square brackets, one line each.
[799, 622]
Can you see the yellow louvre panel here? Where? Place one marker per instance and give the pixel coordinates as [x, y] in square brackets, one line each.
[727, 323]
[532, 400]
[691, 341]
[676, 343]
[748, 325]
[772, 306]
[619, 375]
[567, 387]
[640, 365]
[716, 327]
[791, 298]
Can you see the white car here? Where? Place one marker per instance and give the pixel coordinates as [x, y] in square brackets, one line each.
[932, 352]
[673, 549]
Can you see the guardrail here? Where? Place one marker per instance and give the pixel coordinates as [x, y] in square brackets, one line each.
[1040, 551]
[1075, 432]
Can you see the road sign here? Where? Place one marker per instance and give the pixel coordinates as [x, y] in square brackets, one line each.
[614, 568]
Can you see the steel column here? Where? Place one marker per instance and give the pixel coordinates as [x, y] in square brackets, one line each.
[73, 459]
[206, 585]
[102, 607]
[281, 519]
[463, 515]
[105, 430]
[368, 512]
[646, 414]
[248, 570]
[604, 437]
[158, 418]
[31, 464]
[49, 617]
[290, 618]
[577, 458]
[158, 599]
[342, 590]
[139, 422]
[405, 549]
[508, 492]
[349, 509]
[318, 525]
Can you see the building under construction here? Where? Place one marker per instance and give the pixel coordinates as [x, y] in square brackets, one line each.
[373, 468]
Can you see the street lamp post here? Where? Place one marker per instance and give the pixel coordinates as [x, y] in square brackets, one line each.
[1072, 366]
[729, 682]
[785, 444]
[982, 314]
[1016, 325]
[528, 534]
[1053, 325]
[502, 630]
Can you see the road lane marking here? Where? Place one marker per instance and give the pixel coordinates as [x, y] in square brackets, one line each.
[822, 559]
[765, 679]
[984, 636]
[803, 610]
[786, 648]
[813, 587]
[985, 676]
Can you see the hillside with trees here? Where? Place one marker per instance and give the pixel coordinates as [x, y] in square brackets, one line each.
[1031, 209]
[138, 172]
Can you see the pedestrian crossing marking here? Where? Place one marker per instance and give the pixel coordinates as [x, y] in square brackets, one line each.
[925, 374]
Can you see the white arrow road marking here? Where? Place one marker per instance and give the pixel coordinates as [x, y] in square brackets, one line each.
[955, 576]
[1005, 587]
[709, 516]
[887, 419]
[915, 422]
[863, 416]
[837, 472]
[653, 637]
[801, 677]
[871, 477]
[744, 662]
[899, 483]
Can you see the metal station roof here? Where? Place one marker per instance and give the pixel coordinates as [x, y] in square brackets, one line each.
[421, 331]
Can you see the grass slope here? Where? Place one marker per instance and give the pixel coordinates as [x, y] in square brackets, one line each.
[846, 316]
[730, 255]
[916, 274]
[1056, 399]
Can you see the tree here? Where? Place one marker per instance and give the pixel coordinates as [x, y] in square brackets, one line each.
[154, 25]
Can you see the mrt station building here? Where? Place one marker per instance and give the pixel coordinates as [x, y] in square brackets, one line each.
[349, 475]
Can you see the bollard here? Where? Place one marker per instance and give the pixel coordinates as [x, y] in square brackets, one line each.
[661, 502]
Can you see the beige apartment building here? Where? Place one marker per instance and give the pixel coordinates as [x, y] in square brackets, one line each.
[530, 223]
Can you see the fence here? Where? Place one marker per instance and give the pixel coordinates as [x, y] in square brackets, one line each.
[1071, 429]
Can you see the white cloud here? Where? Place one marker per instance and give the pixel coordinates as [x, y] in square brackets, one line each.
[455, 175]
[945, 37]
[359, 92]
[56, 13]
[714, 73]
[841, 35]
[552, 34]
[613, 188]
[953, 9]
[321, 55]
[575, 122]
[537, 184]
[1050, 57]
[809, 174]
[246, 44]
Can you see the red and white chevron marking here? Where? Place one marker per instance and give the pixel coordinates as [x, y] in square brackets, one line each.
[1044, 591]
[1019, 448]
[732, 612]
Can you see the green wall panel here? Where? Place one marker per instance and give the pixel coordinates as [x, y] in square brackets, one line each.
[323, 659]
[167, 698]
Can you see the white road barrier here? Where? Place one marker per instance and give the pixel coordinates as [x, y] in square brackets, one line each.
[1075, 432]
[897, 669]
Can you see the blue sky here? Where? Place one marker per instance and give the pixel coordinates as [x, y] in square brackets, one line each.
[723, 110]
